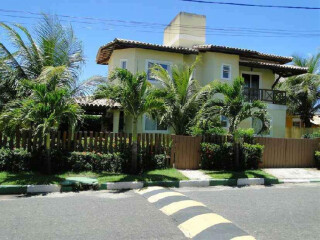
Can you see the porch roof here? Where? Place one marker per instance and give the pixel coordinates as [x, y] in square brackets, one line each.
[280, 69]
[89, 102]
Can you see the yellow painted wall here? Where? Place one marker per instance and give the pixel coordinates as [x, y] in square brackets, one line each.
[180, 32]
[267, 77]
[209, 69]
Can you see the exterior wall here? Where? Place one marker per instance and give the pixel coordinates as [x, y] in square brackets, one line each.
[180, 32]
[277, 114]
[208, 69]
[267, 77]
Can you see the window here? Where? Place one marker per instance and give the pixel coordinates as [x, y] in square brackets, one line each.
[150, 64]
[296, 122]
[153, 125]
[123, 64]
[224, 121]
[257, 126]
[226, 71]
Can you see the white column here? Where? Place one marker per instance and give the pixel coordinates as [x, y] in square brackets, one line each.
[116, 120]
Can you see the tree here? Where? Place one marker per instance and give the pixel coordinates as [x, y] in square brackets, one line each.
[181, 94]
[51, 45]
[134, 93]
[303, 90]
[229, 101]
[48, 105]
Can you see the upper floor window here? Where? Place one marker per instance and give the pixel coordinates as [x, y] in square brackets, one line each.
[151, 63]
[152, 125]
[226, 71]
[123, 63]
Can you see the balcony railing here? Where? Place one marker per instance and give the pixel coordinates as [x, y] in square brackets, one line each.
[266, 95]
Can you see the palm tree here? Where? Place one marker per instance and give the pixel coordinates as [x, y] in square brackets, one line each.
[303, 90]
[234, 106]
[48, 105]
[51, 45]
[133, 92]
[181, 94]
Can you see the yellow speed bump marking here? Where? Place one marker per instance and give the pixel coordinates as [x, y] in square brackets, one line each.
[149, 189]
[197, 224]
[177, 206]
[244, 238]
[159, 196]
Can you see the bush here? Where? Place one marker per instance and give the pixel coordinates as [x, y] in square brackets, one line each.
[97, 162]
[317, 159]
[252, 155]
[217, 157]
[245, 135]
[15, 160]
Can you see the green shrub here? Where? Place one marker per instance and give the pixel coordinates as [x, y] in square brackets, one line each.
[217, 157]
[252, 155]
[245, 135]
[317, 159]
[15, 160]
[97, 162]
[160, 161]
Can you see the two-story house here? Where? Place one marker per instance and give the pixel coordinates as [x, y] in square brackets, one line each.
[185, 39]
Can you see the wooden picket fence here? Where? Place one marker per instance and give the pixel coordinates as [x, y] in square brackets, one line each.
[88, 141]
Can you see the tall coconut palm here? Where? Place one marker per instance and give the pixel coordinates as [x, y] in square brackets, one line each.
[229, 101]
[47, 106]
[133, 92]
[303, 90]
[181, 94]
[51, 44]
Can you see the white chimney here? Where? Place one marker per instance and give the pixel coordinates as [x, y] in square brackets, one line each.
[185, 30]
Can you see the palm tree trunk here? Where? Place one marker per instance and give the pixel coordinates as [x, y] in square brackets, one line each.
[134, 156]
[48, 154]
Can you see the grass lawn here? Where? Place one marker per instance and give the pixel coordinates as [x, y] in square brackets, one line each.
[37, 178]
[241, 174]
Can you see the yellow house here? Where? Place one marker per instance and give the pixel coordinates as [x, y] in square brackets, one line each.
[184, 39]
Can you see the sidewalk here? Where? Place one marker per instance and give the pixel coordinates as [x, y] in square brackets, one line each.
[295, 174]
[195, 174]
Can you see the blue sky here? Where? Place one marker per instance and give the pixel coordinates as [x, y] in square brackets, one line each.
[152, 11]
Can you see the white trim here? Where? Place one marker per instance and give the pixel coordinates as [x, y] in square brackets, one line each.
[151, 131]
[124, 60]
[254, 73]
[230, 73]
[157, 62]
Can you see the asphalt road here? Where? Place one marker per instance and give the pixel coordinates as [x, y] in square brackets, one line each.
[289, 211]
[279, 212]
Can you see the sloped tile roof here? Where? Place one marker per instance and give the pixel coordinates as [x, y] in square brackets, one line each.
[106, 50]
[90, 102]
[286, 70]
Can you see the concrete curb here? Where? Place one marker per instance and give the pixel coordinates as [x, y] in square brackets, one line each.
[299, 180]
[23, 189]
[43, 188]
[124, 185]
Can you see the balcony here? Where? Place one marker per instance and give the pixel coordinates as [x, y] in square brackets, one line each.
[266, 95]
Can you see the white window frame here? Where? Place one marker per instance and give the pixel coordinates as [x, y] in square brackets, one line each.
[151, 131]
[254, 73]
[122, 61]
[157, 62]
[230, 73]
[270, 130]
